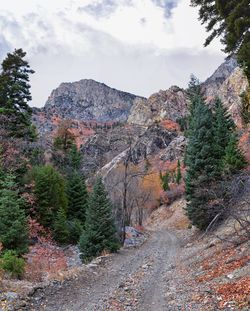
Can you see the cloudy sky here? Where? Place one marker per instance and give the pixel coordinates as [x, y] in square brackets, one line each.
[139, 46]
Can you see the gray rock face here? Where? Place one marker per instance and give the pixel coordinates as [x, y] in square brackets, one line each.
[228, 83]
[90, 100]
[175, 150]
[170, 104]
[154, 139]
[106, 145]
[213, 83]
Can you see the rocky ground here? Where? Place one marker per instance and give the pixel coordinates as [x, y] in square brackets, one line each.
[174, 269]
[133, 279]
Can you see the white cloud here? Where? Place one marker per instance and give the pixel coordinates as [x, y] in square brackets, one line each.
[134, 45]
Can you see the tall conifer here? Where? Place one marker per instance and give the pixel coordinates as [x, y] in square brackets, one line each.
[15, 93]
[100, 232]
[13, 222]
[50, 193]
[223, 127]
[200, 158]
[77, 197]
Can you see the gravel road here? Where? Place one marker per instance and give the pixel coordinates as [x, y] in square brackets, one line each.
[133, 279]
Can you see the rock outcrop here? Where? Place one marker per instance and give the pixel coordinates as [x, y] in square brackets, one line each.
[105, 145]
[170, 104]
[213, 83]
[228, 83]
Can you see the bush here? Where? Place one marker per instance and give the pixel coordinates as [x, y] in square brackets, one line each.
[12, 264]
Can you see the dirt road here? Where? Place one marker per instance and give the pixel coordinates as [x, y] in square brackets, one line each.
[133, 279]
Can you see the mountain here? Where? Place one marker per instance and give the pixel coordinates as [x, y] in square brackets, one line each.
[90, 100]
[107, 122]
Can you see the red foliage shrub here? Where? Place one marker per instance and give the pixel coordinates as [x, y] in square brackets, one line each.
[43, 260]
[175, 192]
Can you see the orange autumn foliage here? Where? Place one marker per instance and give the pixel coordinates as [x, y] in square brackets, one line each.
[245, 144]
[228, 263]
[237, 291]
[170, 125]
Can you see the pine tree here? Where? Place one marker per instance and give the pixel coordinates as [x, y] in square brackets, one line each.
[13, 222]
[100, 232]
[165, 178]
[245, 106]
[75, 158]
[75, 228]
[61, 232]
[229, 20]
[64, 137]
[15, 93]
[200, 158]
[223, 127]
[77, 197]
[233, 159]
[194, 90]
[178, 176]
[50, 192]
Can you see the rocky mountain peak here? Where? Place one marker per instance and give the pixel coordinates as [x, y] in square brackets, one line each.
[223, 71]
[90, 100]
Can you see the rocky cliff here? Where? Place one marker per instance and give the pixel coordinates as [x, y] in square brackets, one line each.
[90, 100]
[228, 82]
[170, 104]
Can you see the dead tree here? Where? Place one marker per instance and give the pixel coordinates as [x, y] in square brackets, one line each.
[233, 205]
[124, 188]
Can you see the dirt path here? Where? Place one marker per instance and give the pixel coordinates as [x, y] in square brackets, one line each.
[133, 279]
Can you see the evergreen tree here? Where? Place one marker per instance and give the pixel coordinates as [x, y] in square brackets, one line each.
[223, 126]
[64, 138]
[200, 158]
[49, 190]
[75, 228]
[165, 178]
[230, 20]
[15, 94]
[61, 232]
[178, 176]
[77, 197]
[13, 222]
[245, 106]
[194, 90]
[100, 232]
[233, 159]
[75, 158]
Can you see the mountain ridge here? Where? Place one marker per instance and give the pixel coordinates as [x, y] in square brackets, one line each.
[88, 99]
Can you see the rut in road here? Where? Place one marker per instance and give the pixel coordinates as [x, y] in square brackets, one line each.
[108, 288]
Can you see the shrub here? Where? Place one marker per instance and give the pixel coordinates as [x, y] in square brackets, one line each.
[12, 264]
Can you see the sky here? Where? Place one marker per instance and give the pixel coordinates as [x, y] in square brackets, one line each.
[138, 46]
